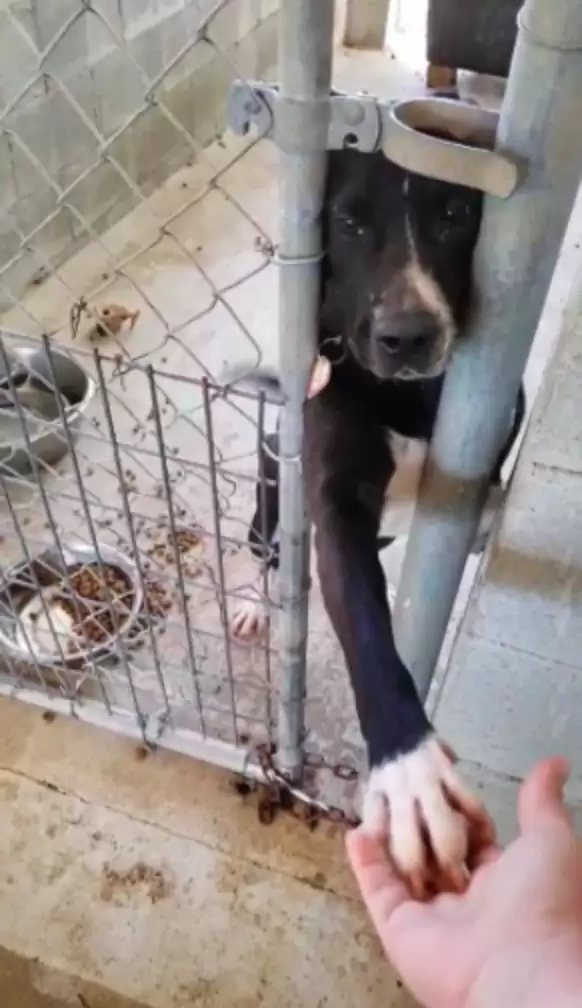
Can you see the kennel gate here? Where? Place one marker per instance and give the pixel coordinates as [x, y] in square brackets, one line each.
[127, 470]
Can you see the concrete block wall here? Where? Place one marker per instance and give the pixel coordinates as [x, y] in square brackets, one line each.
[109, 89]
[513, 691]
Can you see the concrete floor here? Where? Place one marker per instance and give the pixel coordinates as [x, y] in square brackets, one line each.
[127, 882]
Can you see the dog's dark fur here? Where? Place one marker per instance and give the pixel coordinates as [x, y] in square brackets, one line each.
[396, 291]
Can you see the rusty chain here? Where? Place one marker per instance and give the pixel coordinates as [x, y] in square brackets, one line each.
[277, 793]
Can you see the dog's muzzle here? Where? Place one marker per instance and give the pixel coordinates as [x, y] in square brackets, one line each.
[409, 334]
[405, 345]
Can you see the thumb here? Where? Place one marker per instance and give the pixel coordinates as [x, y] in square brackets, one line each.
[382, 891]
[541, 796]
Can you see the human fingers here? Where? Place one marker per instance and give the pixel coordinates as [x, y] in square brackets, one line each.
[382, 891]
[541, 797]
[484, 856]
[482, 828]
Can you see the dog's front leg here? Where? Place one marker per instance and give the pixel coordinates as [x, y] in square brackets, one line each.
[414, 796]
[249, 620]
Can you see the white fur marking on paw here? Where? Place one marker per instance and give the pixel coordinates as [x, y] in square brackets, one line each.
[249, 620]
[405, 797]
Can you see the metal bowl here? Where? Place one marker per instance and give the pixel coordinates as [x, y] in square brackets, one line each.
[18, 587]
[40, 417]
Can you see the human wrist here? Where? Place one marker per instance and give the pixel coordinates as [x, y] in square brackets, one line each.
[549, 973]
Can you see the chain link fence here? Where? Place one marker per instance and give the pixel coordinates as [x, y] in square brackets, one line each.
[135, 264]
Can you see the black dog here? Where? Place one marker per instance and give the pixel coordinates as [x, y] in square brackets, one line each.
[396, 290]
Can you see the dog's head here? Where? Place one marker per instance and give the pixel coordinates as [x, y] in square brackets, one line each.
[397, 278]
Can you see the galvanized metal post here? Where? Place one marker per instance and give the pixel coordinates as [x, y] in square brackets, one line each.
[305, 53]
[517, 251]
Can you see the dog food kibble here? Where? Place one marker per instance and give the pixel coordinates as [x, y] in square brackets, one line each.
[99, 599]
[158, 600]
[164, 551]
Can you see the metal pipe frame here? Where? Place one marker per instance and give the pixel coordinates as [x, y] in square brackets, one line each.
[516, 254]
[305, 58]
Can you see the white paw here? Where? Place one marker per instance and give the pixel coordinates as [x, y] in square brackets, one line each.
[426, 812]
[249, 620]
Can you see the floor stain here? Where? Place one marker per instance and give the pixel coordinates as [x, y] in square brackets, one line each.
[9, 789]
[317, 881]
[117, 886]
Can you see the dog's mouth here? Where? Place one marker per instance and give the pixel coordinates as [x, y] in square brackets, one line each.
[407, 373]
[387, 363]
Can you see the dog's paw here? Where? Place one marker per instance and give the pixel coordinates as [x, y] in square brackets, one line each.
[428, 816]
[249, 621]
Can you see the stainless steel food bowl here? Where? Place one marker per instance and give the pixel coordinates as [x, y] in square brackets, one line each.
[18, 586]
[40, 417]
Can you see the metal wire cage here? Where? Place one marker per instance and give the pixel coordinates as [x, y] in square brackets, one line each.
[122, 527]
[141, 253]
[127, 471]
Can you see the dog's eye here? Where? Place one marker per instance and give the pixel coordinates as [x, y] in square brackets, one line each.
[349, 226]
[455, 212]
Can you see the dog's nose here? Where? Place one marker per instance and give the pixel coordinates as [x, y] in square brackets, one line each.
[409, 333]
[395, 344]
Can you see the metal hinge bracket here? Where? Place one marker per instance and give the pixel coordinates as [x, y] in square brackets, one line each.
[354, 121]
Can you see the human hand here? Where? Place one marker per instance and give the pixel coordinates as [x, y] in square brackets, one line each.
[514, 937]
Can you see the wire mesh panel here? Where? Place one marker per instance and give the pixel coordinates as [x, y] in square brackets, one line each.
[138, 255]
[127, 474]
[122, 523]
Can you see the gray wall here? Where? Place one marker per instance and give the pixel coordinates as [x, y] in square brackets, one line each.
[513, 692]
[109, 89]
